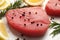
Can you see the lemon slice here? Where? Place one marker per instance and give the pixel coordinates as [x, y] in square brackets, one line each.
[1, 2]
[34, 2]
[5, 4]
[3, 33]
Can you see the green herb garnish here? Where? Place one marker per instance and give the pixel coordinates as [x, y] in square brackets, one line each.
[12, 6]
[56, 27]
[2, 13]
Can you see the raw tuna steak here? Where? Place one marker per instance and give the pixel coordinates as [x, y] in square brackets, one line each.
[53, 8]
[31, 21]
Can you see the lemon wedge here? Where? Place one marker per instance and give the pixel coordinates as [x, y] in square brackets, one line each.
[34, 2]
[4, 4]
[1, 2]
[3, 33]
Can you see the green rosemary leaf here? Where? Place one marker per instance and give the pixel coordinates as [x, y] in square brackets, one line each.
[16, 4]
[12, 6]
[55, 32]
[53, 24]
[56, 27]
[2, 13]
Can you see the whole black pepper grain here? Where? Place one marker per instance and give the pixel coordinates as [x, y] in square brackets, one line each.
[24, 39]
[56, 4]
[24, 19]
[12, 17]
[41, 24]
[32, 22]
[37, 24]
[35, 12]
[17, 39]
[28, 19]
[20, 17]
[22, 35]
[52, 18]
[24, 24]
[13, 13]
[29, 13]
[23, 14]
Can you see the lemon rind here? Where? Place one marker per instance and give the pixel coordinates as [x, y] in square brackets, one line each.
[3, 37]
[34, 4]
[4, 7]
[2, 2]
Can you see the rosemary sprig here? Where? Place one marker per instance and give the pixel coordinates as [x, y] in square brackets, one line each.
[12, 6]
[2, 13]
[56, 27]
[53, 24]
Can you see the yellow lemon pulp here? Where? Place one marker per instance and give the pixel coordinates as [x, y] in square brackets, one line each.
[3, 33]
[5, 4]
[34, 1]
[1, 2]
